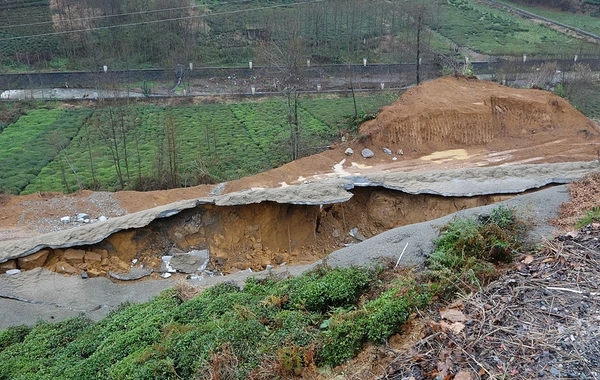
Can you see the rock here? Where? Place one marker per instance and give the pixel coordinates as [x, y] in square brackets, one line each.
[367, 153]
[190, 262]
[95, 273]
[13, 271]
[395, 159]
[102, 218]
[387, 151]
[35, 260]
[83, 217]
[165, 275]
[92, 258]
[102, 252]
[349, 152]
[84, 275]
[133, 274]
[357, 235]
[400, 152]
[118, 264]
[74, 256]
[65, 219]
[8, 265]
[65, 268]
[174, 250]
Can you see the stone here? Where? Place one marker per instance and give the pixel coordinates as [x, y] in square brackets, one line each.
[367, 153]
[13, 271]
[395, 159]
[74, 256]
[34, 260]
[65, 219]
[105, 262]
[8, 265]
[165, 275]
[356, 234]
[133, 274]
[118, 264]
[82, 217]
[95, 273]
[190, 262]
[102, 252]
[400, 152]
[84, 275]
[65, 268]
[92, 258]
[349, 152]
[387, 151]
[102, 218]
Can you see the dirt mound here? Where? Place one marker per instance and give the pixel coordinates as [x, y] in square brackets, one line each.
[457, 112]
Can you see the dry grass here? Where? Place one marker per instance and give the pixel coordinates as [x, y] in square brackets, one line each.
[585, 194]
[186, 291]
[540, 320]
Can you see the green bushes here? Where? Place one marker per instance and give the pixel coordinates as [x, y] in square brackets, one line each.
[323, 317]
[33, 141]
[467, 249]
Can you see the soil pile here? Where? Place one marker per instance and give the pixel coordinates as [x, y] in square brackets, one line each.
[458, 112]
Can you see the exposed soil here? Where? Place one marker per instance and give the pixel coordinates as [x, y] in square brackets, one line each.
[538, 320]
[447, 123]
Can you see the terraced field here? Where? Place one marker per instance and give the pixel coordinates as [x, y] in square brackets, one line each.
[114, 147]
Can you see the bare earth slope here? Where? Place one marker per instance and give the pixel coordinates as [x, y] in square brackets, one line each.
[449, 123]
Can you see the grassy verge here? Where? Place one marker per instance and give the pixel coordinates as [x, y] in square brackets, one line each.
[271, 328]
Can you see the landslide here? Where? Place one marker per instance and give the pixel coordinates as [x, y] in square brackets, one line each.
[492, 124]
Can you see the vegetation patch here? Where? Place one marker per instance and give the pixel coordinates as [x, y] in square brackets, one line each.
[147, 146]
[271, 328]
[494, 31]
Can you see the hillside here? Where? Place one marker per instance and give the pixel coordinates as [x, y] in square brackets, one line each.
[68, 35]
[323, 214]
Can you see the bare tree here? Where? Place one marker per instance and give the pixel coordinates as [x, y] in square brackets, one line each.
[421, 14]
[285, 59]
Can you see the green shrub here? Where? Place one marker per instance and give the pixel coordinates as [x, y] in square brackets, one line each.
[344, 337]
[467, 249]
[388, 312]
[13, 335]
[324, 289]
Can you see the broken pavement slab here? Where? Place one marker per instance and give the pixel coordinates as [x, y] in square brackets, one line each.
[458, 182]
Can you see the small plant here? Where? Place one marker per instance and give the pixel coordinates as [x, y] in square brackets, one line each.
[560, 90]
[592, 216]
[146, 89]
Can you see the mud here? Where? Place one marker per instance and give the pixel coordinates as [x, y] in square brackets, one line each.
[251, 236]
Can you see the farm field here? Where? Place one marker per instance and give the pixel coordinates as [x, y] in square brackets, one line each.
[152, 146]
[497, 32]
[584, 22]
